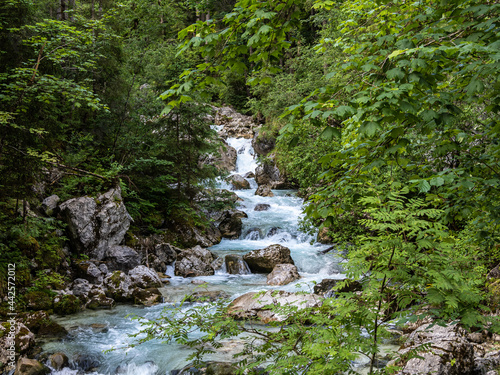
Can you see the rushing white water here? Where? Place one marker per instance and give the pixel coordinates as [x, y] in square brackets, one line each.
[277, 225]
[246, 161]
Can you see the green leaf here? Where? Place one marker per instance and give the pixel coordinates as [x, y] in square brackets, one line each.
[437, 181]
[395, 73]
[330, 132]
[424, 186]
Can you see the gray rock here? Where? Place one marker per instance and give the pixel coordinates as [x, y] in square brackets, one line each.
[264, 191]
[488, 362]
[24, 341]
[163, 255]
[269, 174]
[194, 262]
[103, 268]
[26, 366]
[283, 274]
[254, 234]
[264, 260]
[495, 272]
[252, 305]
[238, 182]
[230, 225]
[446, 351]
[81, 287]
[87, 270]
[95, 224]
[93, 296]
[100, 301]
[225, 160]
[118, 286]
[58, 361]
[235, 124]
[207, 296]
[122, 258]
[235, 265]
[190, 236]
[143, 277]
[262, 207]
[325, 287]
[263, 145]
[147, 297]
[49, 205]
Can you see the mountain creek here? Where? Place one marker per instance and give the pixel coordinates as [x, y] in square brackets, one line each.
[93, 334]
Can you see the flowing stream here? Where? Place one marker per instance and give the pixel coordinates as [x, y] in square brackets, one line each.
[94, 332]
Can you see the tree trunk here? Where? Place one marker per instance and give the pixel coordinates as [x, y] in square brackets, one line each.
[61, 15]
[72, 5]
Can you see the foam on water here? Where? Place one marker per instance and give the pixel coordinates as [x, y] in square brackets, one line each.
[246, 161]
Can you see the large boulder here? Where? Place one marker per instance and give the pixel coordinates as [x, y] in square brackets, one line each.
[66, 304]
[237, 182]
[224, 160]
[269, 174]
[85, 269]
[194, 262]
[49, 205]
[283, 274]
[95, 224]
[118, 285]
[122, 258]
[264, 260]
[143, 277]
[235, 125]
[443, 351]
[188, 235]
[264, 191]
[230, 224]
[262, 143]
[147, 297]
[15, 339]
[58, 361]
[162, 255]
[256, 305]
[81, 288]
[26, 366]
[39, 323]
[94, 296]
[235, 265]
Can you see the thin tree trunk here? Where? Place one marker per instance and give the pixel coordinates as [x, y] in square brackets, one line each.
[72, 5]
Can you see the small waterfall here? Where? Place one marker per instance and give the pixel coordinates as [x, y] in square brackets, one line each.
[245, 161]
[235, 265]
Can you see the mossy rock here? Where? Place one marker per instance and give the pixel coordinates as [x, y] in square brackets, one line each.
[116, 278]
[28, 245]
[131, 240]
[221, 368]
[40, 323]
[494, 289]
[67, 304]
[38, 300]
